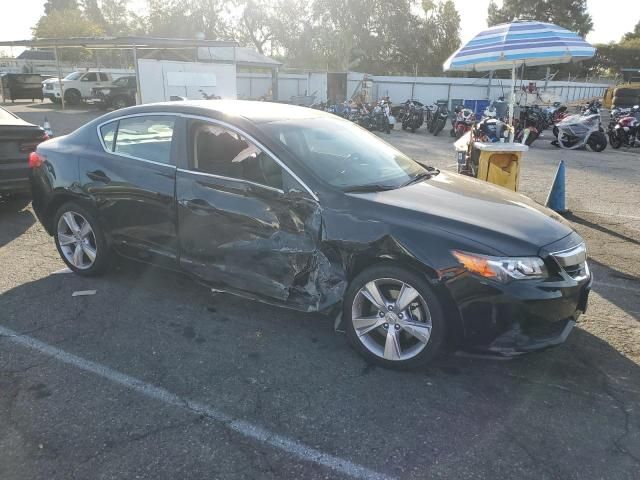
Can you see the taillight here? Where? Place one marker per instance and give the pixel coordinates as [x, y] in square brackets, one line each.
[35, 160]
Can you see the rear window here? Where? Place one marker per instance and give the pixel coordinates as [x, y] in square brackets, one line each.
[108, 134]
[5, 115]
[145, 137]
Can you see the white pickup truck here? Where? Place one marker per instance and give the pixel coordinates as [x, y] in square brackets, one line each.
[77, 86]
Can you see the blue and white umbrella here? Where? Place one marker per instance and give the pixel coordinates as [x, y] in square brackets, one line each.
[511, 45]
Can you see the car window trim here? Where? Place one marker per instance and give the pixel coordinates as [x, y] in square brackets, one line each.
[236, 179]
[232, 179]
[256, 143]
[210, 120]
[115, 137]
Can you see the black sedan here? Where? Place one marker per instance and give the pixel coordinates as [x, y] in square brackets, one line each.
[302, 209]
[120, 94]
[17, 140]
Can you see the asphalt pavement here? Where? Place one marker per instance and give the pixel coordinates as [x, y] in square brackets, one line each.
[153, 377]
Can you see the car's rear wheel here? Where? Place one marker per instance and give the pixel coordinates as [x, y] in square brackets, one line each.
[393, 318]
[72, 97]
[80, 240]
[120, 102]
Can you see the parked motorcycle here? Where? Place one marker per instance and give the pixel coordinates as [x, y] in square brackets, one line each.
[626, 130]
[429, 113]
[529, 125]
[438, 119]
[577, 131]
[209, 96]
[412, 115]
[382, 116]
[462, 122]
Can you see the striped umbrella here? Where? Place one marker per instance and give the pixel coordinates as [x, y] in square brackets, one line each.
[511, 45]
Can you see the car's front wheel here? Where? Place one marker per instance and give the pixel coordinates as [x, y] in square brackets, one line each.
[80, 240]
[393, 318]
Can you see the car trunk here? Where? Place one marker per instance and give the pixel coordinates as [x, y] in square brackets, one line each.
[16, 142]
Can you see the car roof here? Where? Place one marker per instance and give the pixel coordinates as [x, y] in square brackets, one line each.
[254, 111]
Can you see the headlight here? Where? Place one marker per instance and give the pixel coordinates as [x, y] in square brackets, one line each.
[502, 269]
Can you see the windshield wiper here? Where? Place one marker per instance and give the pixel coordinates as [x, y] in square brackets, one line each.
[421, 176]
[374, 187]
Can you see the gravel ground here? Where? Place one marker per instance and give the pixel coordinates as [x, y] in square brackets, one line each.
[145, 368]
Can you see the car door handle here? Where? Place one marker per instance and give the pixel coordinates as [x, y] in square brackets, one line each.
[197, 205]
[98, 176]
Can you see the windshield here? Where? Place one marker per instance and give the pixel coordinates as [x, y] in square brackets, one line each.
[344, 155]
[73, 76]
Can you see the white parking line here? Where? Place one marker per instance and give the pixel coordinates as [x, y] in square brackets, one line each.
[237, 425]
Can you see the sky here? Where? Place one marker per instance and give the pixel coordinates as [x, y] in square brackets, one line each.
[609, 23]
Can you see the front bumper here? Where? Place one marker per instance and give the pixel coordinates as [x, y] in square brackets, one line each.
[51, 94]
[518, 317]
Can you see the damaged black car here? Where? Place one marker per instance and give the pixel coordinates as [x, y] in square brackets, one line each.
[299, 208]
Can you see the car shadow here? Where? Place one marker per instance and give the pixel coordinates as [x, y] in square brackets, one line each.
[619, 288]
[601, 228]
[166, 328]
[15, 217]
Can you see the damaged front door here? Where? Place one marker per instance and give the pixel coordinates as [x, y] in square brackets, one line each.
[243, 221]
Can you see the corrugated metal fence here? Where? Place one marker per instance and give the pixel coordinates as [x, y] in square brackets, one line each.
[399, 89]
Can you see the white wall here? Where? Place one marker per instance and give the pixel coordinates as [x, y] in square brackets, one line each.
[430, 89]
[155, 87]
[399, 89]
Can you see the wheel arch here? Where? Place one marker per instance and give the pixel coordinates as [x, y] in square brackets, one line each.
[453, 319]
[56, 202]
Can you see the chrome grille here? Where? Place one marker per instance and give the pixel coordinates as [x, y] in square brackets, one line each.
[573, 261]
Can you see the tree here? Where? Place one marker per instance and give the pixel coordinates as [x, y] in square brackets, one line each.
[257, 23]
[633, 34]
[570, 14]
[65, 24]
[185, 18]
[53, 5]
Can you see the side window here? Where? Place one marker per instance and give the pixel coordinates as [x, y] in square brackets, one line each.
[219, 151]
[103, 77]
[90, 77]
[108, 134]
[146, 137]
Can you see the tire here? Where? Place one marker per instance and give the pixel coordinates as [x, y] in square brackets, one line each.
[615, 141]
[120, 102]
[531, 138]
[425, 308]
[72, 97]
[555, 131]
[438, 128]
[452, 132]
[56, 100]
[597, 141]
[95, 240]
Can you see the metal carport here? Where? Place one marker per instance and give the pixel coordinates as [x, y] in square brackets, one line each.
[122, 43]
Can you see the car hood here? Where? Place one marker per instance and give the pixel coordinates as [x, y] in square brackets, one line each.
[505, 222]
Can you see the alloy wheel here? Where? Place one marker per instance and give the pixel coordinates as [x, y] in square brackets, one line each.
[77, 240]
[391, 319]
[119, 103]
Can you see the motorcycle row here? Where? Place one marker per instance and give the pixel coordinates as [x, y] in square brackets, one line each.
[571, 131]
[375, 116]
